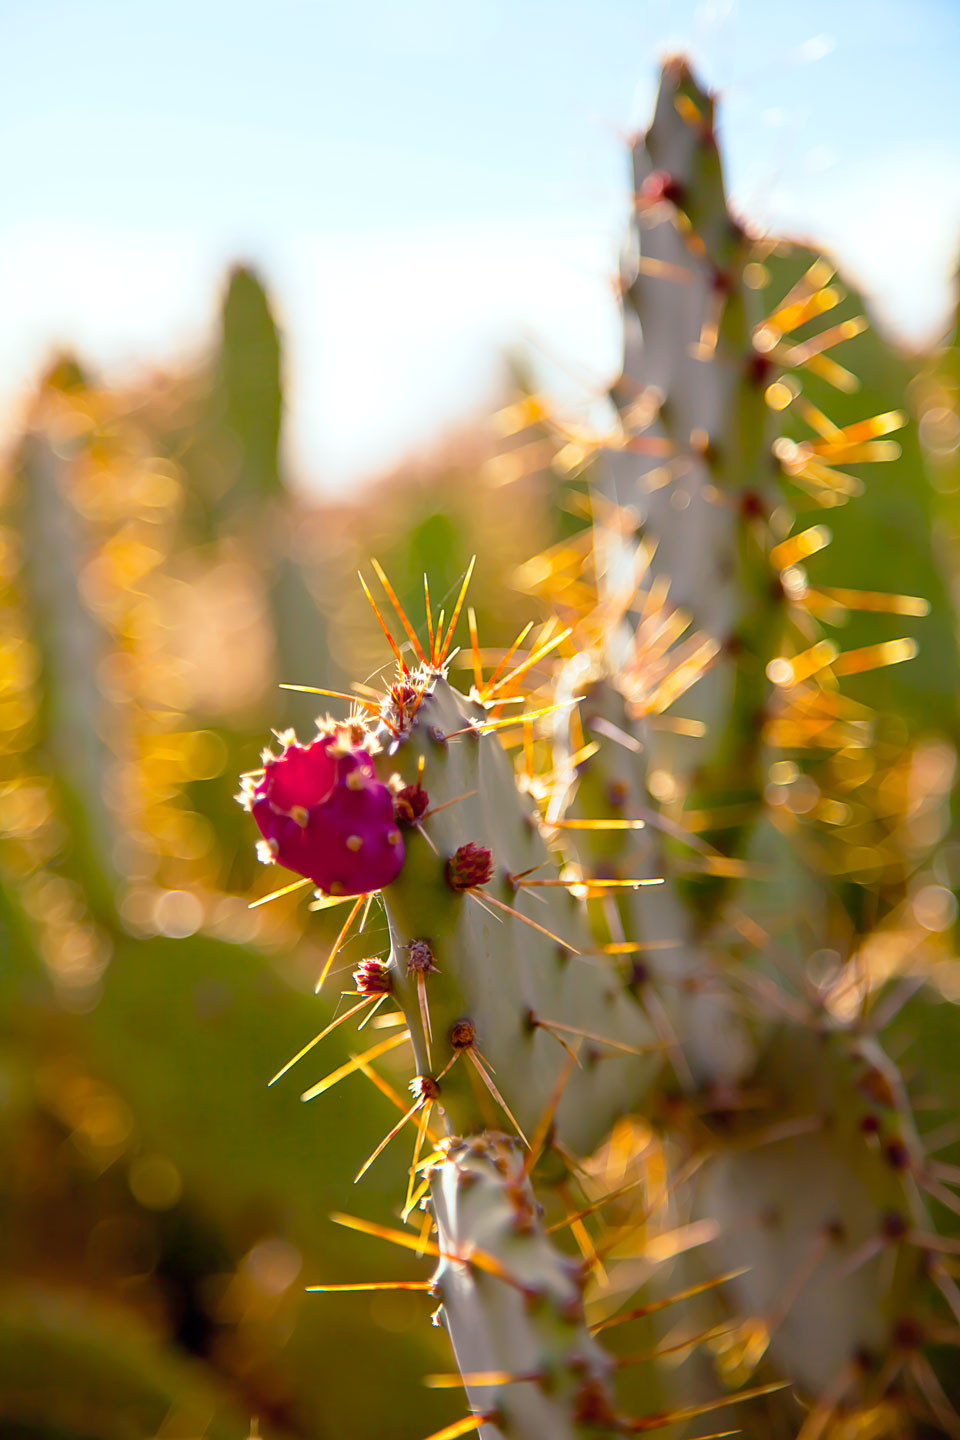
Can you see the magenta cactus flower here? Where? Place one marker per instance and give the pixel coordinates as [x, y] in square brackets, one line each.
[323, 813]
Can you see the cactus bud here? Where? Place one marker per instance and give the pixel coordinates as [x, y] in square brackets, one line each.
[469, 865]
[372, 977]
[410, 804]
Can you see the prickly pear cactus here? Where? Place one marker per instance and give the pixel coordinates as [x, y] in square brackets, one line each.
[518, 1020]
[490, 961]
[515, 1315]
[810, 1163]
[587, 940]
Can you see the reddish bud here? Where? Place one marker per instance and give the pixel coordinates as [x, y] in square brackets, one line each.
[470, 865]
[410, 803]
[323, 813]
[403, 703]
[372, 977]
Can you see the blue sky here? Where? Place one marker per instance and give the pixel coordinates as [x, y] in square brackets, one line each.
[426, 184]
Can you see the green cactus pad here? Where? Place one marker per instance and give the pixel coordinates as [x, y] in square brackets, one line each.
[512, 980]
[815, 1194]
[518, 1309]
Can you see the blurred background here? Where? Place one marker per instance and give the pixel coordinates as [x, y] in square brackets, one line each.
[274, 285]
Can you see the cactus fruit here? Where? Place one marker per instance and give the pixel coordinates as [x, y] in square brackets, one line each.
[323, 813]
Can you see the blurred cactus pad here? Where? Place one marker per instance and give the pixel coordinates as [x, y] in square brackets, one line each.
[659, 988]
